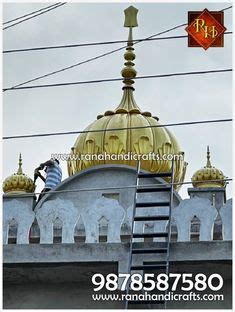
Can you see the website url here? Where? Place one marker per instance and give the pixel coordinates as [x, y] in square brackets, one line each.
[116, 157]
[170, 296]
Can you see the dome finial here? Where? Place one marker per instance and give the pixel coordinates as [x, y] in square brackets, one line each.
[128, 72]
[208, 176]
[128, 103]
[18, 182]
[208, 164]
[20, 171]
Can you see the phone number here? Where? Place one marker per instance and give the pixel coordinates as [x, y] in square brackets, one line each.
[151, 281]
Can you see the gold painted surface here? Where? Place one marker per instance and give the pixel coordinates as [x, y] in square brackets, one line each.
[18, 182]
[138, 141]
[202, 177]
[131, 17]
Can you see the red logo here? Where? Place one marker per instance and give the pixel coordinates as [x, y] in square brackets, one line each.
[205, 29]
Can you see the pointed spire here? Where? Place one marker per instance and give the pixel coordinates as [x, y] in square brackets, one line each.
[18, 182]
[128, 72]
[208, 164]
[19, 171]
[128, 103]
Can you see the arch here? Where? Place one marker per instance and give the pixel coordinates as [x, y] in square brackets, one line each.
[226, 215]
[110, 210]
[53, 210]
[195, 226]
[79, 231]
[22, 213]
[103, 229]
[57, 230]
[218, 228]
[186, 210]
[12, 231]
[34, 233]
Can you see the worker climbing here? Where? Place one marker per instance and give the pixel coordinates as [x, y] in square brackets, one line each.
[53, 175]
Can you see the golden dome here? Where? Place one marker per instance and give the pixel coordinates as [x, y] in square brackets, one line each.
[127, 129]
[18, 182]
[208, 176]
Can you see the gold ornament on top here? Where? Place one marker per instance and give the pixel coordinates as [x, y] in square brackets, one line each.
[128, 72]
[131, 17]
[18, 182]
[208, 176]
[157, 140]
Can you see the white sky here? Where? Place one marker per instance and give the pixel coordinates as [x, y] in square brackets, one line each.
[72, 108]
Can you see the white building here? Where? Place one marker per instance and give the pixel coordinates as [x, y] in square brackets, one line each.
[52, 248]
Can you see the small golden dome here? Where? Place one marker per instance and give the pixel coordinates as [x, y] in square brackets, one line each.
[208, 176]
[127, 129]
[18, 182]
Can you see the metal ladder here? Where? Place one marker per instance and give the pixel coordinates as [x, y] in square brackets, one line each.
[161, 265]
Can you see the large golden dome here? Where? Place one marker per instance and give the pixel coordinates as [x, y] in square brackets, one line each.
[141, 133]
[208, 176]
[18, 182]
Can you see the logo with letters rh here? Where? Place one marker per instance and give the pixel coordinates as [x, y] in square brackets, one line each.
[205, 29]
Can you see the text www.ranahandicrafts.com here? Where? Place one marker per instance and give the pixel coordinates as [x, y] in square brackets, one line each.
[170, 296]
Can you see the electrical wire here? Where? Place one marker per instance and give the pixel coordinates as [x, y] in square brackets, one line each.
[95, 44]
[91, 44]
[90, 59]
[75, 132]
[118, 79]
[113, 188]
[117, 129]
[30, 17]
[37, 11]
[227, 8]
[101, 55]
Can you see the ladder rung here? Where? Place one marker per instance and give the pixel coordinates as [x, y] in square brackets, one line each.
[159, 234]
[151, 218]
[146, 302]
[154, 175]
[148, 267]
[154, 262]
[153, 189]
[149, 250]
[153, 204]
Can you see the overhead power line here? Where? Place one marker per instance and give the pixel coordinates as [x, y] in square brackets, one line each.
[227, 8]
[33, 16]
[91, 59]
[95, 44]
[117, 129]
[33, 12]
[101, 55]
[118, 79]
[92, 43]
[112, 188]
